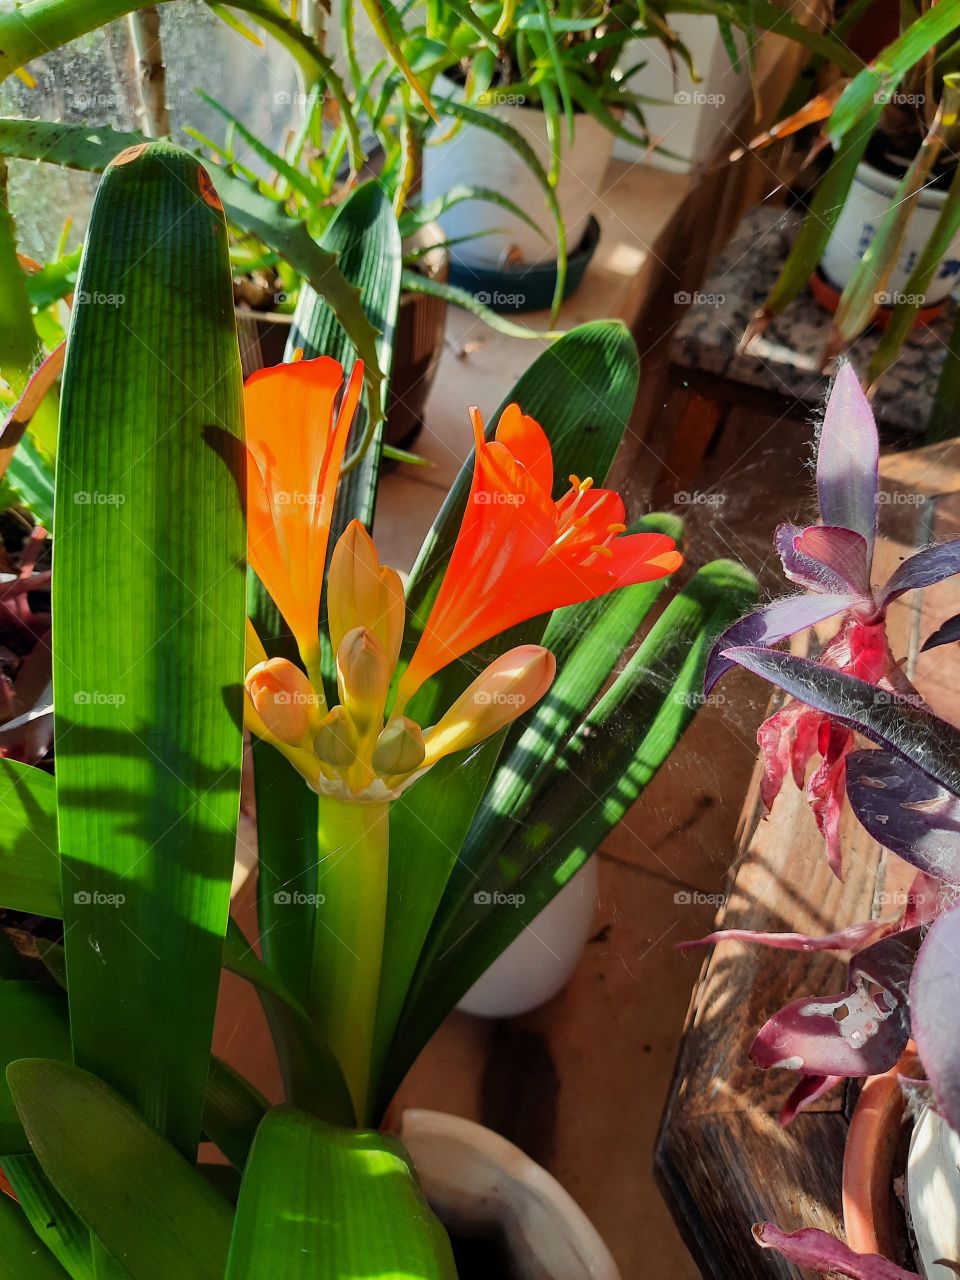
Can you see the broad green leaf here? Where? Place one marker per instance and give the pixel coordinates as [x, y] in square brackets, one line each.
[147, 1207]
[944, 421]
[22, 1256]
[52, 1219]
[29, 861]
[29, 480]
[575, 801]
[148, 668]
[33, 1024]
[78, 147]
[319, 1201]
[582, 391]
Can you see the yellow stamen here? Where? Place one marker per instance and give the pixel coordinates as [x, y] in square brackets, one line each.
[616, 528]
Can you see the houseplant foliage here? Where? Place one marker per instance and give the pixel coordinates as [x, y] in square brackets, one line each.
[906, 794]
[106, 1039]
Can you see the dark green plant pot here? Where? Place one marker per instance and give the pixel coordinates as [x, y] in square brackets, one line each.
[527, 287]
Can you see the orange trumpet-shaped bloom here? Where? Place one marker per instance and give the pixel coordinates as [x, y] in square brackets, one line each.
[519, 553]
[295, 446]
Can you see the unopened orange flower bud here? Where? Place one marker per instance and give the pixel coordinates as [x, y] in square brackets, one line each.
[363, 593]
[511, 685]
[400, 748]
[283, 698]
[363, 677]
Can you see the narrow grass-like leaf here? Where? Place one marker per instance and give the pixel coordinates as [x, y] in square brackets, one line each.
[22, 1256]
[413, 218]
[78, 147]
[29, 862]
[576, 801]
[414, 282]
[322, 1201]
[148, 1207]
[518, 143]
[148, 668]
[33, 1023]
[878, 81]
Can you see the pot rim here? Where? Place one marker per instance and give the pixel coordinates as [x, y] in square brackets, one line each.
[869, 1153]
[516, 1166]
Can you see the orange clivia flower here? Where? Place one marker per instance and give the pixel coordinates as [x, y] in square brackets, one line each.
[519, 553]
[295, 447]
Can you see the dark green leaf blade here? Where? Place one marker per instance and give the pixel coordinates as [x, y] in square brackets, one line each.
[52, 1219]
[150, 1209]
[33, 1023]
[29, 861]
[323, 1201]
[22, 1256]
[148, 668]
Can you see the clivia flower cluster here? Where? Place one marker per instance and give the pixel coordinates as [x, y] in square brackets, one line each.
[519, 553]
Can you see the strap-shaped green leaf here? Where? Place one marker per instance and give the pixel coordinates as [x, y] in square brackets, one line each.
[22, 1256]
[33, 1024]
[232, 1111]
[29, 862]
[319, 1201]
[148, 668]
[575, 802]
[148, 1207]
[52, 1219]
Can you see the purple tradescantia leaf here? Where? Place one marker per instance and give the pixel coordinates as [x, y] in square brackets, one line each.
[923, 569]
[853, 938]
[859, 1032]
[933, 1000]
[771, 624]
[823, 1252]
[847, 458]
[824, 558]
[946, 633]
[906, 811]
[889, 720]
[810, 1090]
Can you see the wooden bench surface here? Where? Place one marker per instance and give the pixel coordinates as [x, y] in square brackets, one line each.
[722, 1159]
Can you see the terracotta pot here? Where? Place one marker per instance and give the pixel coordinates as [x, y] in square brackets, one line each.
[872, 1216]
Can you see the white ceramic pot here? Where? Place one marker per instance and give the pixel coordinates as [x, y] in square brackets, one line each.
[693, 122]
[870, 196]
[479, 1184]
[933, 1193]
[473, 156]
[541, 960]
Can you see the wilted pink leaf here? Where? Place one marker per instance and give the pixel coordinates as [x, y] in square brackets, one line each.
[824, 558]
[823, 1252]
[853, 938]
